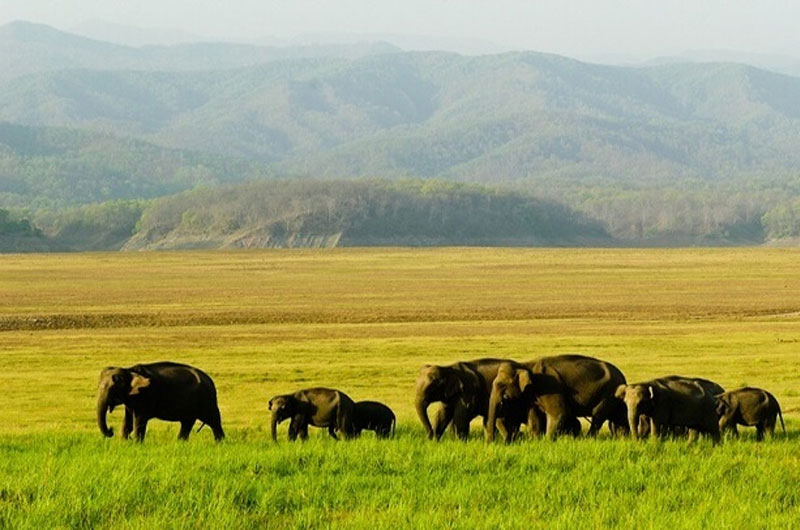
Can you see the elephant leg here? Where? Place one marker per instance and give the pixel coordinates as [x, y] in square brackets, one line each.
[536, 422]
[644, 427]
[769, 425]
[461, 419]
[332, 432]
[213, 420]
[442, 419]
[186, 429]
[554, 426]
[296, 428]
[693, 435]
[503, 428]
[508, 429]
[127, 424]
[600, 414]
[759, 431]
[140, 427]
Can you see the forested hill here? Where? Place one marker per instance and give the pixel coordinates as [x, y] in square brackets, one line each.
[311, 214]
[53, 168]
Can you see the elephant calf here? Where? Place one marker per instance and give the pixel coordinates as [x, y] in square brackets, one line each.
[320, 407]
[671, 402]
[750, 407]
[373, 416]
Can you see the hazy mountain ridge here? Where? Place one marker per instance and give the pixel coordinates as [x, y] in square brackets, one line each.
[27, 48]
[442, 115]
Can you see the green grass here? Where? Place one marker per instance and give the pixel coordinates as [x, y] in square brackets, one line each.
[263, 323]
[82, 481]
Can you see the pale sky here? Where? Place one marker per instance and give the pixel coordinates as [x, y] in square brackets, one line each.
[567, 27]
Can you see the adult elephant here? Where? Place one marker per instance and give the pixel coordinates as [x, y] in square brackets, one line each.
[671, 403]
[163, 390]
[565, 387]
[590, 386]
[463, 389]
[521, 396]
[709, 387]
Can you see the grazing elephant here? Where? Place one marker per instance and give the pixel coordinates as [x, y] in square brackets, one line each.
[320, 407]
[590, 385]
[671, 402]
[749, 406]
[522, 396]
[165, 390]
[373, 416]
[463, 388]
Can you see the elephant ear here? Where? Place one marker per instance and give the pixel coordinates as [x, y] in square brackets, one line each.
[138, 383]
[524, 379]
[620, 392]
[453, 386]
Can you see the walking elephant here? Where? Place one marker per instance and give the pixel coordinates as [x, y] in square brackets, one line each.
[521, 396]
[671, 402]
[750, 407]
[163, 390]
[590, 385]
[373, 416]
[320, 407]
[463, 389]
[710, 387]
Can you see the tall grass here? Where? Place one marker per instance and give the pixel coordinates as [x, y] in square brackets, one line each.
[83, 481]
[263, 323]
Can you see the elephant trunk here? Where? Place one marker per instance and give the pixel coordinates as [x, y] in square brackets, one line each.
[102, 408]
[494, 404]
[422, 411]
[274, 426]
[633, 423]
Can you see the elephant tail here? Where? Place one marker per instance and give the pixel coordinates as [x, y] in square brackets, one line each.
[200, 428]
[394, 425]
[780, 415]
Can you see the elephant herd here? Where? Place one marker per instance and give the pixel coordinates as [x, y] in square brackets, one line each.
[548, 395]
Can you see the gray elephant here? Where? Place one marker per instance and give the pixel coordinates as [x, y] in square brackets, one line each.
[671, 402]
[710, 387]
[373, 416]
[590, 386]
[164, 390]
[750, 407]
[320, 407]
[463, 389]
[521, 396]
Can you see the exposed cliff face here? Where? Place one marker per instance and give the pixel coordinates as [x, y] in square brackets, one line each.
[254, 239]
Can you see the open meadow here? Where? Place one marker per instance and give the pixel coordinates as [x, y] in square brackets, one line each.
[262, 323]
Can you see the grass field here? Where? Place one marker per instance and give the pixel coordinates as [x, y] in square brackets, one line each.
[263, 323]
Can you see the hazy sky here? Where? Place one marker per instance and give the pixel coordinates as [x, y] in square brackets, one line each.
[569, 27]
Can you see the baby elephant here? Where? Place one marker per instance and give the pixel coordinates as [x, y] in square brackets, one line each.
[374, 416]
[320, 407]
[749, 406]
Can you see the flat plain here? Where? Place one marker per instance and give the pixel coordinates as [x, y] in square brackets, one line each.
[364, 320]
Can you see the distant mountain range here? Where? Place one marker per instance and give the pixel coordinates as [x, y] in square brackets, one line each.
[95, 121]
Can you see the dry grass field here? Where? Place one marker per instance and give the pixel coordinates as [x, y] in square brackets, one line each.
[268, 322]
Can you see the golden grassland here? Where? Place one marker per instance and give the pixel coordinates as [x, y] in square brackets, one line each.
[364, 320]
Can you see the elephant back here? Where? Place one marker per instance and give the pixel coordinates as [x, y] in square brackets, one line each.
[587, 380]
